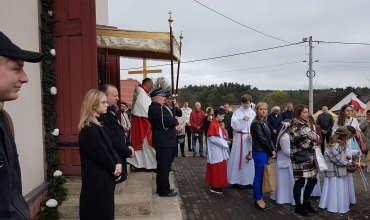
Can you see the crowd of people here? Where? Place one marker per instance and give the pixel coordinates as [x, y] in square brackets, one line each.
[238, 145]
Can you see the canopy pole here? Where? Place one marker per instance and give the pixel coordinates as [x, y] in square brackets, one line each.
[170, 20]
[178, 67]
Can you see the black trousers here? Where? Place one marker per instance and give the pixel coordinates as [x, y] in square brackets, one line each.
[164, 158]
[298, 185]
[325, 137]
[188, 134]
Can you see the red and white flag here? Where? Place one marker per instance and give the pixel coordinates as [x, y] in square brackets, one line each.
[358, 104]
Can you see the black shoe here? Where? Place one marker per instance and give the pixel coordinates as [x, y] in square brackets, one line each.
[172, 190]
[259, 207]
[176, 155]
[183, 155]
[217, 190]
[308, 207]
[171, 194]
[238, 186]
[248, 186]
[201, 155]
[299, 209]
[189, 150]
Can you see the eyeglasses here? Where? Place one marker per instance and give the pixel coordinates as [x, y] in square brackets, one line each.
[104, 103]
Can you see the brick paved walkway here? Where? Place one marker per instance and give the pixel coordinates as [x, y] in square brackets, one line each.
[199, 203]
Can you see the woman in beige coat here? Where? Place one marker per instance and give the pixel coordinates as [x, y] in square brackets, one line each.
[180, 133]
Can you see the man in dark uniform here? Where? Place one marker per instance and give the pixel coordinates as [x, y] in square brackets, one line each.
[121, 144]
[164, 139]
[12, 76]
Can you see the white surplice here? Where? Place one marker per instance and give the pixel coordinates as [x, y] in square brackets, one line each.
[217, 149]
[238, 170]
[145, 158]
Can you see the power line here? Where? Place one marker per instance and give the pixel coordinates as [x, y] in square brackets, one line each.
[335, 42]
[240, 23]
[237, 70]
[218, 77]
[360, 67]
[224, 56]
[324, 61]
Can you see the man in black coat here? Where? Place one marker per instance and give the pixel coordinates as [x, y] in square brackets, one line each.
[121, 144]
[164, 140]
[326, 122]
[12, 76]
[274, 120]
[288, 113]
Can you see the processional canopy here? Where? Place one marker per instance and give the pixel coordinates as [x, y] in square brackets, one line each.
[137, 44]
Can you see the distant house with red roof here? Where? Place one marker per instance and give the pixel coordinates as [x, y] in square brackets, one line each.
[127, 89]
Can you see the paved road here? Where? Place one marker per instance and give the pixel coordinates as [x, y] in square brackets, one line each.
[199, 203]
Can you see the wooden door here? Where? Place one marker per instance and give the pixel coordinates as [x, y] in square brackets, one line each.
[76, 72]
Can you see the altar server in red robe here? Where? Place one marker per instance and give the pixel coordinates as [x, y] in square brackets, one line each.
[216, 174]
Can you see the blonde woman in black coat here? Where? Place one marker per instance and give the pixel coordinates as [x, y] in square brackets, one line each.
[100, 164]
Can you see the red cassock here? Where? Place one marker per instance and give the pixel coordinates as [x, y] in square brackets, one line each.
[216, 174]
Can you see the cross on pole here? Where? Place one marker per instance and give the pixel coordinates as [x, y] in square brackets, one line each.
[145, 71]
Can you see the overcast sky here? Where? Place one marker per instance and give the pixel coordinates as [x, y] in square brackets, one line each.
[207, 34]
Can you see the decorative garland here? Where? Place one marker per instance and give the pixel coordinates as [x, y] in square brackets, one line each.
[57, 193]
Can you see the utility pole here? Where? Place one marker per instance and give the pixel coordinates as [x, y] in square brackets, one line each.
[310, 95]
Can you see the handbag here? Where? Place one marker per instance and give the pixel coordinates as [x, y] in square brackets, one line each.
[180, 139]
[319, 160]
[269, 183]
[301, 156]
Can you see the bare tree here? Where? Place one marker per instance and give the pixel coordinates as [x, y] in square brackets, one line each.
[162, 82]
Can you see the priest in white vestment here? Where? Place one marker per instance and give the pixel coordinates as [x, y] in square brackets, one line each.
[240, 170]
[141, 131]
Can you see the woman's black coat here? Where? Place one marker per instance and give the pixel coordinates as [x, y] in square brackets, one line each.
[98, 162]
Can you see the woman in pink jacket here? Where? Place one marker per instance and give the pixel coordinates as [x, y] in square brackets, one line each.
[180, 133]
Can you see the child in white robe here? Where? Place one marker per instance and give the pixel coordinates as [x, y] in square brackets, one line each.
[334, 195]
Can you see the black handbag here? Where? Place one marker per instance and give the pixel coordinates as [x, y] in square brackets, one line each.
[180, 139]
[301, 156]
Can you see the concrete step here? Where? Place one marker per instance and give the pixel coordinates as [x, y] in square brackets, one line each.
[134, 200]
[73, 185]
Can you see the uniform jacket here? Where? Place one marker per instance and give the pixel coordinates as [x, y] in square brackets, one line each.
[163, 126]
[261, 137]
[299, 141]
[12, 202]
[325, 121]
[197, 120]
[119, 140]
[98, 162]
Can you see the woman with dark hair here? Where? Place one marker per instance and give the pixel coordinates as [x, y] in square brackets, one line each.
[263, 149]
[345, 119]
[335, 190]
[302, 141]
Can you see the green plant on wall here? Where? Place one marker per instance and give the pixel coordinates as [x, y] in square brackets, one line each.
[57, 193]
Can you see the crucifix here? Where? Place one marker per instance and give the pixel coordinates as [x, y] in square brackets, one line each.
[144, 71]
